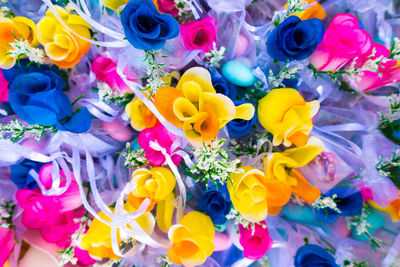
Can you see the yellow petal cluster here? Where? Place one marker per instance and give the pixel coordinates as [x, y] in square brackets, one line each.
[155, 184]
[192, 239]
[284, 113]
[63, 47]
[195, 106]
[141, 117]
[20, 27]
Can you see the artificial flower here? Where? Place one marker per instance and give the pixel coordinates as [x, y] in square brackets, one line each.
[160, 135]
[10, 29]
[199, 34]
[167, 6]
[215, 204]
[255, 240]
[252, 193]
[7, 244]
[106, 71]
[140, 115]
[222, 86]
[145, 28]
[113, 4]
[348, 200]
[19, 173]
[155, 184]
[97, 241]
[315, 10]
[343, 41]
[3, 88]
[388, 72]
[36, 96]
[295, 39]
[195, 106]
[83, 257]
[393, 209]
[192, 239]
[63, 47]
[238, 128]
[285, 114]
[313, 255]
[164, 212]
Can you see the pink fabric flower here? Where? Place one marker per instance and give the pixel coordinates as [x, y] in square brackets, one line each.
[54, 215]
[164, 138]
[256, 244]
[83, 257]
[343, 41]
[7, 243]
[106, 71]
[3, 88]
[199, 34]
[167, 6]
[390, 73]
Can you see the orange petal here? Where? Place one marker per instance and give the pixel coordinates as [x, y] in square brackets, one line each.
[208, 127]
[304, 189]
[279, 193]
[164, 100]
[274, 210]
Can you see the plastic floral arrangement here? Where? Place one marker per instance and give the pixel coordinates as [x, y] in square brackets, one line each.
[199, 133]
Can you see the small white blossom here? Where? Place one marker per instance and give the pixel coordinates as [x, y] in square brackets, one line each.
[326, 202]
[213, 57]
[372, 64]
[395, 51]
[239, 219]
[155, 71]
[184, 7]
[294, 6]
[14, 130]
[393, 111]
[23, 48]
[286, 72]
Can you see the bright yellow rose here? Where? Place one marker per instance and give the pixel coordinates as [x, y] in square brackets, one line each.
[195, 106]
[284, 113]
[393, 209]
[281, 167]
[252, 194]
[97, 240]
[314, 11]
[19, 27]
[192, 239]
[164, 212]
[113, 4]
[141, 116]
[63, 47]
[155, 184]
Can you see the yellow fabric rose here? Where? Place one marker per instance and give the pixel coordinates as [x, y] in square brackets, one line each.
[155, 184]
[281, 167]
[20, 27]
[141, 116]
[164, 212]
[252, 194]
[314, 11]
[285, 114]
[63, 47]
[192, 239]
[195, 106]
[113, 4]
[97, 240]
[393, 209]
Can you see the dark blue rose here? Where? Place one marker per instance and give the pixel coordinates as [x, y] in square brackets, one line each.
[238, 127]
[145, 28]
[20, 173]
[36, 96]
[221, 86]
[291, 83]
[295, 39]
[313, 256]
[348, 200]
[215, 203]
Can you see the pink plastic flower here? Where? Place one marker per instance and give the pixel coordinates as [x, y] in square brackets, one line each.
[106, 71]
[256, 244]
[199, 34]
[164, 138]
[83, 257]
[54, 215]
[389, 72]
[343, 41]
[3, 88]
[7, 243]
[167, 6]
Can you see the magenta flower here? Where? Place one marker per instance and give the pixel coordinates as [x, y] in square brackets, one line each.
[256, 244]
[3, 88]
[7, 243]
[164, 138]
[199, 34]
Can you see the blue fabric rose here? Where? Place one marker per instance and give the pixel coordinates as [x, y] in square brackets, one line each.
[348, 200]
[295, 39]
[215, 203]
[36, 96]
[238, 128]
[221, 86]
[145, 28]
[313, 256]
[20, 176]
